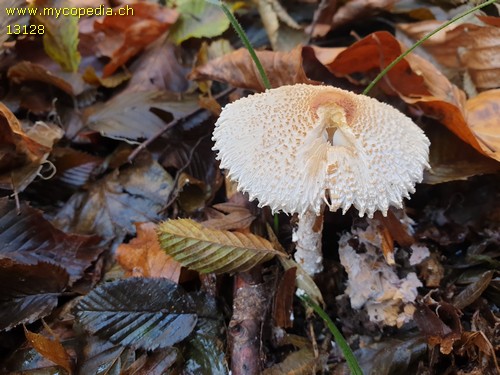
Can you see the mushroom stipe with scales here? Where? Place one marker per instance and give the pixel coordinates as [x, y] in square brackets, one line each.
[300, 148]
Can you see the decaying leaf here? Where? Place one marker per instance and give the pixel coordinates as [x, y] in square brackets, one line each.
[136, 115]
[238, 69]
[332, 14]
[22, 153]
[113, 204]
[6, 20]
[138, 313]
[29, 292]
[51, 349]
[198, 19]
[27, 237]
[60, 35]
[142, 256]
[471, 48]
[206, 250]
[228, 216]
[127, 35]
[473, 291]
[301, 362]
[102, 357]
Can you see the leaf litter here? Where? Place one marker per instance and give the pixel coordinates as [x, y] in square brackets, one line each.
[76, 101]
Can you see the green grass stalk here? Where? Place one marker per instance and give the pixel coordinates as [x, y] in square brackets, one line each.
[418, 43]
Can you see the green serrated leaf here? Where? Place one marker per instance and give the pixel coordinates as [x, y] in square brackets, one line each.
[206, 250]
[138, 313]
[198, 19]
[60, 37]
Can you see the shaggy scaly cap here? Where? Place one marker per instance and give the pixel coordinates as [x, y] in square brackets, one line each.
[295, 147]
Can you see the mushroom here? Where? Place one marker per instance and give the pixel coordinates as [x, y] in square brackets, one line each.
[298, 148]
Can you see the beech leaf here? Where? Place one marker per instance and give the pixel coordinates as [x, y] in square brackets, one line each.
[28, 292]
[206, 250]
[138, 313]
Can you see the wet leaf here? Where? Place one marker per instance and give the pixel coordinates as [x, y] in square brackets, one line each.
[156, 363]
[27, 237]
[138, 313]
[135, 115]
[238, 69]
[103, 357]
[113, 204]
[473, 291]
[127, 35]
[60, 36]
[142, 256]
[205, 352]
[198, 19]
[50, 349]
[206, 250]
[29, 292]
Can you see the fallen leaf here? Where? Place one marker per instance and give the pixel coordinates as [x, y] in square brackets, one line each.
[238, 69]
[29, 292]
[467, 47]
[60, 35]
[22, 153]
[300, 362]
[483, 116]
[138, 312]
[136, 115]
[50, 348]
[283, 299]
[127, 35]
[198, 19]
[206, 250]
[332, 14]
[142, 256]
[103, 357]
[7, 20]
[26, 71]
[473, 291]
[158, 68]
[113, 204]
[228, 216]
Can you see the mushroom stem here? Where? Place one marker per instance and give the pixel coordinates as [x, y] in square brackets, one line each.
[307, 238]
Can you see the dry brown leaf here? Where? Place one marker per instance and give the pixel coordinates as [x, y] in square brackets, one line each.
[483, 117]
[238, 69]
[25, 71]
[283, 299]
[128, 35]
[479, 340]
[236, 217]
[22, 153]
[470, 47]
[330, 15]
[142, 256]
[51, 349]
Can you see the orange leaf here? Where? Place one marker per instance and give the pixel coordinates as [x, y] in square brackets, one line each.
[50, 348]
[143, 256]
[129, 34]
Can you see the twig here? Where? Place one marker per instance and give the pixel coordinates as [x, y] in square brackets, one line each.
[249, 308]
[171, 124]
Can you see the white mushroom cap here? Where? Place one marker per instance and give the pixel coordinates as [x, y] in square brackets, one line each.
[296, 147]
